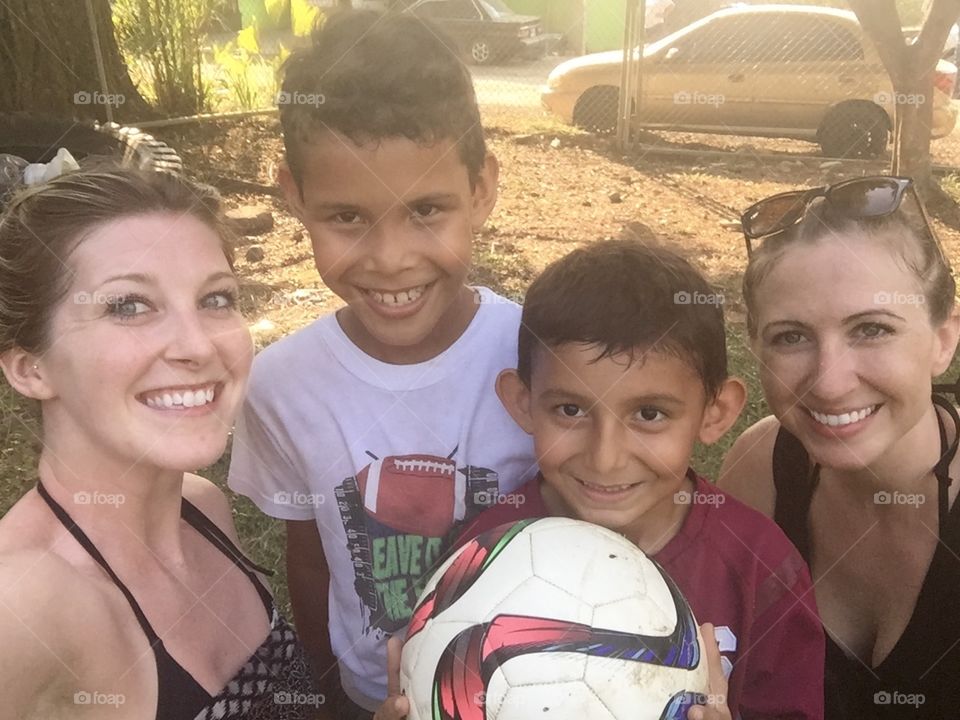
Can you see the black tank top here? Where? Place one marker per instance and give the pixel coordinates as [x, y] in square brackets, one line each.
[274, 683]
[920, 677]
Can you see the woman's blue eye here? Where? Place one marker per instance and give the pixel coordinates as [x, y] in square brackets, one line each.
[220, 300]
[128, 306]
[874, 330]
[790, 337]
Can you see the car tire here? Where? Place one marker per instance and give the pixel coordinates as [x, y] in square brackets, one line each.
[854, 130]
[37, 139]
[481, 51]
[596, 109]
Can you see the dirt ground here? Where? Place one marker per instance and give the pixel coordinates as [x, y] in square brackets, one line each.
[559, 188]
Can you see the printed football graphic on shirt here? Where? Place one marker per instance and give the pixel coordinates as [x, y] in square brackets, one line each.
[398, 513]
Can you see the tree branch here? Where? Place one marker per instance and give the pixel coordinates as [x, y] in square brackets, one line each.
[881, 23]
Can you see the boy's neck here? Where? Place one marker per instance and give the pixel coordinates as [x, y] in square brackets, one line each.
[444, 334]
[651, 532]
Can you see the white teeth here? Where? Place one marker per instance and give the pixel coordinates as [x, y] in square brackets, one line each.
[404, 297]
[843, 419]
[185, 398]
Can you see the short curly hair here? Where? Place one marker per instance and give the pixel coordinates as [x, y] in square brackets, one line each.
[370, 76]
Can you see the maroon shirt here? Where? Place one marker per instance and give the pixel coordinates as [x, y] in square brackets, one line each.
[738, 571]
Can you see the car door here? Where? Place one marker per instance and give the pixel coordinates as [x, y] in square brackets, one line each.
[702, 78]
[808, 64]
[460, 19]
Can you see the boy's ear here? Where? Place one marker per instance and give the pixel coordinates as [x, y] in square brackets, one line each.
[290, 190]
[722, 412]
[485, 191]
[946, 342]
[515, 396]
[24, 373]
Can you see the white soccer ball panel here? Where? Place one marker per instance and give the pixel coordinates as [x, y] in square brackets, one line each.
[534, 670]
[538, 598]
[564, 552]
[639, 614]
[640, 691]
[556, 701]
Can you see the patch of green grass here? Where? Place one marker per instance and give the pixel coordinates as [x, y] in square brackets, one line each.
[951, 185]
[19, 446]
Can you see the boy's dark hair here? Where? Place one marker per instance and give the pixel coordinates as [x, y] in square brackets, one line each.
[625, 297]
[370, 76]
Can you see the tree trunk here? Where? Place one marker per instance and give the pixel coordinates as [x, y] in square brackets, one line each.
[911, 69]
[49, 65]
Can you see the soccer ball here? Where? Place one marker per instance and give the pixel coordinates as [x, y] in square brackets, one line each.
[552, 618]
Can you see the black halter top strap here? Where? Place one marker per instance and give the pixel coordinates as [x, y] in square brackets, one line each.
[179, 695]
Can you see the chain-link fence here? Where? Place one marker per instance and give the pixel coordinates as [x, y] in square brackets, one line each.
[786, 73]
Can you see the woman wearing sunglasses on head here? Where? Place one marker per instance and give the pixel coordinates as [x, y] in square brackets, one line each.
[851, 313]
[123, 593]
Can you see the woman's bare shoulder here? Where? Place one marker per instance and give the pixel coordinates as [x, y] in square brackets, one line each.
[747, 471]
[51, 615]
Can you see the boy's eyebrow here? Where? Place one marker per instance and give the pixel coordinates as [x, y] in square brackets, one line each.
[437, 197]
[557, 394]
[330, 207]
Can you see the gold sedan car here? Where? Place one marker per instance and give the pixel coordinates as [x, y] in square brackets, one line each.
[791, 71]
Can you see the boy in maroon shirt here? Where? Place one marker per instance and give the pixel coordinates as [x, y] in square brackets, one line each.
[622, 368]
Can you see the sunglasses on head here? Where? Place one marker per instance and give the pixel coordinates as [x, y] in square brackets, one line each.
[857, 199]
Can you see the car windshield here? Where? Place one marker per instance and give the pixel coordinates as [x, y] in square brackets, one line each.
[496, 8]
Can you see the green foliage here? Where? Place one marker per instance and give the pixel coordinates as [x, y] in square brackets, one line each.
[246, 79]
[304, 17]
[163, 37]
